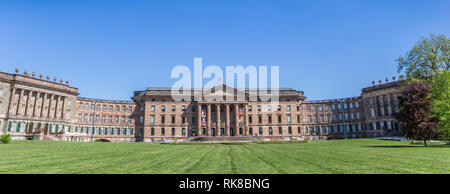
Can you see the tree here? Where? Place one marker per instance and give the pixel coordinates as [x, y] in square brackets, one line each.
[440, 95]
[414, 112]
[426, 58]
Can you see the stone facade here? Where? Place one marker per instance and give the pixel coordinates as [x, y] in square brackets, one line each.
[113, 120]
[32, 108]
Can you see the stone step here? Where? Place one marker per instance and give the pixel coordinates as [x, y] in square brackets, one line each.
[224, 139]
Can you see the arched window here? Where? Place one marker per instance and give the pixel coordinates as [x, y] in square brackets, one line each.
[260, 130]
[270, 130]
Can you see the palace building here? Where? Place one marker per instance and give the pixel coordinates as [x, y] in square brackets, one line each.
[37, 108]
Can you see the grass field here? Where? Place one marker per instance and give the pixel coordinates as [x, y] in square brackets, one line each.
[333, 156]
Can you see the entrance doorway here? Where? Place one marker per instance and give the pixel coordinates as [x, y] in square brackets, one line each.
[222, 131]
[30, 128]
[46, 129]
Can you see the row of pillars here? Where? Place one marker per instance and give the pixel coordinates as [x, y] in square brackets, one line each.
[218, 126]
[44, 112]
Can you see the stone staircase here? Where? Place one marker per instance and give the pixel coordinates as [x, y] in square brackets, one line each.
[51, 138]
[225, 139]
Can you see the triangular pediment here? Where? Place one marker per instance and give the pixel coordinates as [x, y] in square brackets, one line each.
[224, 90]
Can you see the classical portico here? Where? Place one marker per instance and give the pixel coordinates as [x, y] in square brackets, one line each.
[222, 118]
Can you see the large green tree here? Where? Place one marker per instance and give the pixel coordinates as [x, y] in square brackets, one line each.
[428, 57]
[440, 96]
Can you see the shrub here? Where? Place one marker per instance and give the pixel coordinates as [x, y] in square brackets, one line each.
[5, 138]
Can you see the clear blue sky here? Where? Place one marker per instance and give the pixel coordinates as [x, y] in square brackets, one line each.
[108, 49]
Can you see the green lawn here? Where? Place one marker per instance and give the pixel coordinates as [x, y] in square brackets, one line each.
[333, 156]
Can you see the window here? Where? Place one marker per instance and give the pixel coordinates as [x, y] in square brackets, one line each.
[98, 107]
[129, 119]
[124, 109]
[79, 117]
[290, 130]
[92, 106]
[173, 108]
[162, 131]
[279, 108]
[81, 106]
[250, 119]
[279, 118]
[117, 109]
[163, 119]
[270, 118]
[280, 130]
[288, 107]
[356, 104]
[153, 108]
[109, 119]
[163, 108]
[141, 119]
[270, 130]
[183, 108]
[327, 107]
[141, 108]
[130, 109]
[259, 108]
[173, 119]
[183, 119]
[183, 131]
[250, 108]
[86, 106]
[260, 130]
[321, 107]
[260, 118]
[152, 131]
[173, 131]
[122, 120]
[104, 108]
[333, 107]
[110, 108]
